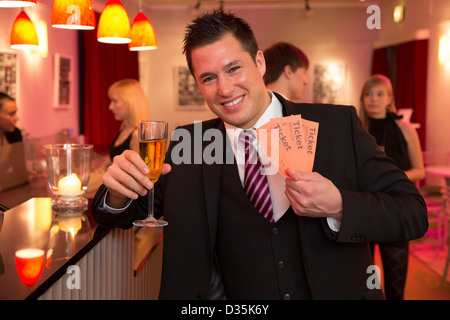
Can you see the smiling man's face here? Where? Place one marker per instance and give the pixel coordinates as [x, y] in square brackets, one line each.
[231, 81]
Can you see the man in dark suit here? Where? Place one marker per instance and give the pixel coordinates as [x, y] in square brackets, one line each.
[216, 244]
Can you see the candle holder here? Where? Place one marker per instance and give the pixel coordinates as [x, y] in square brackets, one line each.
[68, 171]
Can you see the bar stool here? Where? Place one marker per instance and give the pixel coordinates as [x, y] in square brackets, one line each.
[436, 207]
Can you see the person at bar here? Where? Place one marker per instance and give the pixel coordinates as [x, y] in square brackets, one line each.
[12, 158]
[286, 67]
[129, 104]
[9, 133]
[313, 241]
[401, 142]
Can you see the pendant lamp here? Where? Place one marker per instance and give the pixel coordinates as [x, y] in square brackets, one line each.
[16, 3]
[114, 24]
[143, 35]
[73, 14]
[23, 33]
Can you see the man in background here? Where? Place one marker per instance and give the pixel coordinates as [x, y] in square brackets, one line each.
[286, 67]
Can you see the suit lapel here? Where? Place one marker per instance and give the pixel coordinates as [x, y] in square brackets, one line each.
[212, 175]
[287, 109]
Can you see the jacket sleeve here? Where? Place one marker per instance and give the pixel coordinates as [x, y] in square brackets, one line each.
[386, 206]
[135, 211]
[109, 220]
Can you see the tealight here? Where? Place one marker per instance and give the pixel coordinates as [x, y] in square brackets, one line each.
[29, 264]
[69, 186]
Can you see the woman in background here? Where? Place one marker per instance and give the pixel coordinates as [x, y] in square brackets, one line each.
[9, 133]
[129, 105]
[400, 141]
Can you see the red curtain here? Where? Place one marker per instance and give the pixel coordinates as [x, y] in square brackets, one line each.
[406, 65]
[380, 62]
[411, 81]
[100, 65]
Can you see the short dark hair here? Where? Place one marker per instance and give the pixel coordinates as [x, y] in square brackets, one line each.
[211, 27]
[283, 54]
[4, 97]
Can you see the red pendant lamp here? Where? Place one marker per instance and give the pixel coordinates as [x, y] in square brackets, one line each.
[23, 33]
[16, 3]
[73, 14]
[143, 35]
[114, 24]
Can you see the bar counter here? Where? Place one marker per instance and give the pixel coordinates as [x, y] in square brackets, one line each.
[82, 260]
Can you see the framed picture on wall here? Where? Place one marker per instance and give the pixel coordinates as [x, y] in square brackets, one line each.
[329, 82]
[62, 81]
[188, 96]
[9, 74]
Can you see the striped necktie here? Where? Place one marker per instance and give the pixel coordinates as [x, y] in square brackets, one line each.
[255, 183]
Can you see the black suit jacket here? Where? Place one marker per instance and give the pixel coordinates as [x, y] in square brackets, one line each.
[380, 204]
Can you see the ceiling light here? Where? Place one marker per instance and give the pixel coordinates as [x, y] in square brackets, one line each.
[399, 13]
[23, 33]
[143, 35]
[16, 3]
[73, 14]
[114, 24]
[444, 49]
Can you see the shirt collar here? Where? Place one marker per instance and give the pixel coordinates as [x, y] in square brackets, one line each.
[274, 110]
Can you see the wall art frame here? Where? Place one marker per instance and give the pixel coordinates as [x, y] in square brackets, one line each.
[187, 95]
[62, 81]
[329, 82]
[9, 73]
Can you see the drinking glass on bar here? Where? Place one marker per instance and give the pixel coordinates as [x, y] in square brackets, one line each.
[152, 149]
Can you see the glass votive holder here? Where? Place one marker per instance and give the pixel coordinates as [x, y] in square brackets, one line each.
[68, 172]
[29, 264]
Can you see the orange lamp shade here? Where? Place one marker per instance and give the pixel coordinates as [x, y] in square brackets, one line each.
[16, 3]
[143, 35]
[23, 33]
[73, 14]
[114, 24]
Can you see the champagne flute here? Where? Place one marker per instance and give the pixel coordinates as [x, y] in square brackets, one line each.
[152, 149]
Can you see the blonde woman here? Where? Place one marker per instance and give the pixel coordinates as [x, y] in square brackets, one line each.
[400, 141]
[129, 105]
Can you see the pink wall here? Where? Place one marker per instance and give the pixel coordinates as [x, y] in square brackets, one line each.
[35, 81]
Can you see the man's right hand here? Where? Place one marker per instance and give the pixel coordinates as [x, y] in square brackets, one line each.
[126, 178]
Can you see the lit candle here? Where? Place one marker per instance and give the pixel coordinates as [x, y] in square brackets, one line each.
[69, 186]
[29, 264]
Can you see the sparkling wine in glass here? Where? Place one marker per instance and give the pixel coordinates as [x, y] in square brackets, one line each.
[152, 149]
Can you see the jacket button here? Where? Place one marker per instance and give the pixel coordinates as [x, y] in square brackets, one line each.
[281, 264]
[287, 296]
[275, 230]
